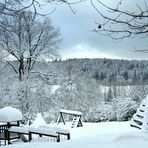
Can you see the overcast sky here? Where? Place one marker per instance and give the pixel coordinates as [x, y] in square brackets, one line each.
[79, 42]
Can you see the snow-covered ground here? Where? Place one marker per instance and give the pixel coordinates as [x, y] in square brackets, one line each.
[95, 135]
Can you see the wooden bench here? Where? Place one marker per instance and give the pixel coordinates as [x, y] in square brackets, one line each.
[43, 132]
[30, 131]
[53, 132]
[59, 131]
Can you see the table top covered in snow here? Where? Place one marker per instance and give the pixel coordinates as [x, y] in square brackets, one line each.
[10, 114]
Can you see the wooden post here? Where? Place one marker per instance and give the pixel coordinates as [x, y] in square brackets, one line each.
[40, 135]
[79, 122]
[30, 136]
[7, 136]
[8, 123]
[18, 123]
[61, 118]
[58, 138]
[68, 136]
[1, 134]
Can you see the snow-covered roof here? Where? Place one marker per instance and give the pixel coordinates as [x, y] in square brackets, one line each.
[10, 114]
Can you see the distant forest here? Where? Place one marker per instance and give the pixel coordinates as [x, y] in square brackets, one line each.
[109, 71]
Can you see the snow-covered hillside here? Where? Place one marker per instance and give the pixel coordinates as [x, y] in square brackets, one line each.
[95, 135]
[77, 85]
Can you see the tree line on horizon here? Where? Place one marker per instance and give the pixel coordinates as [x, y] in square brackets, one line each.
[110, 71]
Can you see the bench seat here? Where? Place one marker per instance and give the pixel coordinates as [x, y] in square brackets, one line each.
[59, 131]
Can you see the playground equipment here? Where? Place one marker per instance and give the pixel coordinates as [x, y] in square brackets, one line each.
[76, 122]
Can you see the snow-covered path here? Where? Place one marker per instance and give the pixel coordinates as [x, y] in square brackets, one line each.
[95, 135]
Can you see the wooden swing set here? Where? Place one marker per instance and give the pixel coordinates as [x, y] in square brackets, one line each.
[76, 122]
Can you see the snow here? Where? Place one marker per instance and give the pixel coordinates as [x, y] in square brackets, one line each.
[39, 121]
[19, 129]
[140, 118]
[54, 88]
[70, 112]
[57, 129]
[9, 114]
[43, 131]
[145, 119]
[94, 135]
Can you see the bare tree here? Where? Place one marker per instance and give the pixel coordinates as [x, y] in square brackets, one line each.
[67, 2]
[10, 6]
[120, 21]
[27, 39]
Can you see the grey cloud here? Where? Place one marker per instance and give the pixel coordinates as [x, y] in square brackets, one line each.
[74, 29]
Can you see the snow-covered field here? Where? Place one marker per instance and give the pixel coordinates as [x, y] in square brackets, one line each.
[96, 135]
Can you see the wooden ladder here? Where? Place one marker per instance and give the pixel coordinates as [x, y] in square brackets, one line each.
[75, 121]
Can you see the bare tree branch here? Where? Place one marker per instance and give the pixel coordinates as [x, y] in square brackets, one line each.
[120, 24]
[12, 66]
